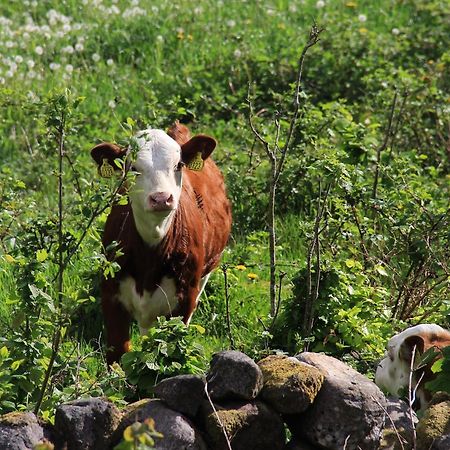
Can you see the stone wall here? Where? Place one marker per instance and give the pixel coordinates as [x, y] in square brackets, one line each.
[318, 401]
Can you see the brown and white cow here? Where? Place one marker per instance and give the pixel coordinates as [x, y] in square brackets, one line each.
[171, 233]
[393, 371]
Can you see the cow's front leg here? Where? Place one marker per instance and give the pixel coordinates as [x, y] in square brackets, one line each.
[117, 323]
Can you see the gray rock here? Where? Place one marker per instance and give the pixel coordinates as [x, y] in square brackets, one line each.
[86, 423]
[183, 393]
[290, 386]
[252, 425]
[398, 429]
[233, 375]
[433, 430]
[297, 444]
[348, 412]
[442, 443]
[21, 431]
[178, 431]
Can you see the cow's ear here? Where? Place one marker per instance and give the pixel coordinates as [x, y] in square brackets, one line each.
[179, 133]
[196, 150]
[104, 155]
[407, 346]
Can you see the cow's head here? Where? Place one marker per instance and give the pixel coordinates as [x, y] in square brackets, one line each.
[393, 372]
[158, 165]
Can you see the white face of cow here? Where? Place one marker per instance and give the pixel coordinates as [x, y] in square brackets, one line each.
[156, 192]
[157, 189]
[393, 372]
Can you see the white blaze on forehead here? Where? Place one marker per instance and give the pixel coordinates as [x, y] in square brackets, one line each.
[157, 158]
[157, 150]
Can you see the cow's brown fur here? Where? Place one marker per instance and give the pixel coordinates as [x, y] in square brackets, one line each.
[190, 250]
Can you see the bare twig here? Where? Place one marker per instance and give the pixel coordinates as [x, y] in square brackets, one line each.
[60, 276]
[383, 146]
[227, 440]
[277, 164]
[400, 439]
[314, 248]
[227, 303]
[412, 391]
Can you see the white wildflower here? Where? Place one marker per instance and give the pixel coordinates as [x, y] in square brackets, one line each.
[79, 47]
[112, 104]
[362, 18]
[110, 62]
[18, 59]
[69, 68]
[54, 66]
[9, 44]
[395, 31]
[68, 49]
[237, 53]
[30, 63]
[96, 57]
[159, 38]
[9, 74]
[320, 4]
[231, 23]
[39, 50]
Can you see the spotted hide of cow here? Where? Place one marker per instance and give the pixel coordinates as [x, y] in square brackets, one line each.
[393, 371]
[171, 234]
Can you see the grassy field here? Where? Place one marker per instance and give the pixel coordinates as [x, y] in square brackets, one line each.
[375, 106]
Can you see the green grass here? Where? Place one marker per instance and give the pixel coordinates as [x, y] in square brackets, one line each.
[173, 61]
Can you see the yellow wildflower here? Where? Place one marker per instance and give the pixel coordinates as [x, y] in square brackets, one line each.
[252, 276]
[350, 5]
[363, 30]
[10, 259]
[240, 267]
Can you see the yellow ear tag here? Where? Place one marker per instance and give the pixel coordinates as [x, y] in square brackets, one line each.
[106, 170]
[197, 162]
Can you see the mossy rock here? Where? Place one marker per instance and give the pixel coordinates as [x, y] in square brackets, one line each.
[435, 423]
[290, 386]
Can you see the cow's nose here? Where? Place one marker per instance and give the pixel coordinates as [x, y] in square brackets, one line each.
[161, 200]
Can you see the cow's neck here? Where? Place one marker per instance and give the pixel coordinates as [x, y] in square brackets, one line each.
[152, 228]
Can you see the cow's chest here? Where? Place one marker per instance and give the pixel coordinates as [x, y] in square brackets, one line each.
[145, 308]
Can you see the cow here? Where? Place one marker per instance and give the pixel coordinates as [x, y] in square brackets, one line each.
[393, 372]
[171, 233]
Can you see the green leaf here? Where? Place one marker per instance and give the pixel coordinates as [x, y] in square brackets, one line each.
[41, 255]
[16, 364]
[4, 352]
[381, 270]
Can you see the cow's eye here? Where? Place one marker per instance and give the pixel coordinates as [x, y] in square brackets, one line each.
[179, 166]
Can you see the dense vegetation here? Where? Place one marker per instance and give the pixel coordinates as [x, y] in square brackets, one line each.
[362, 207]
